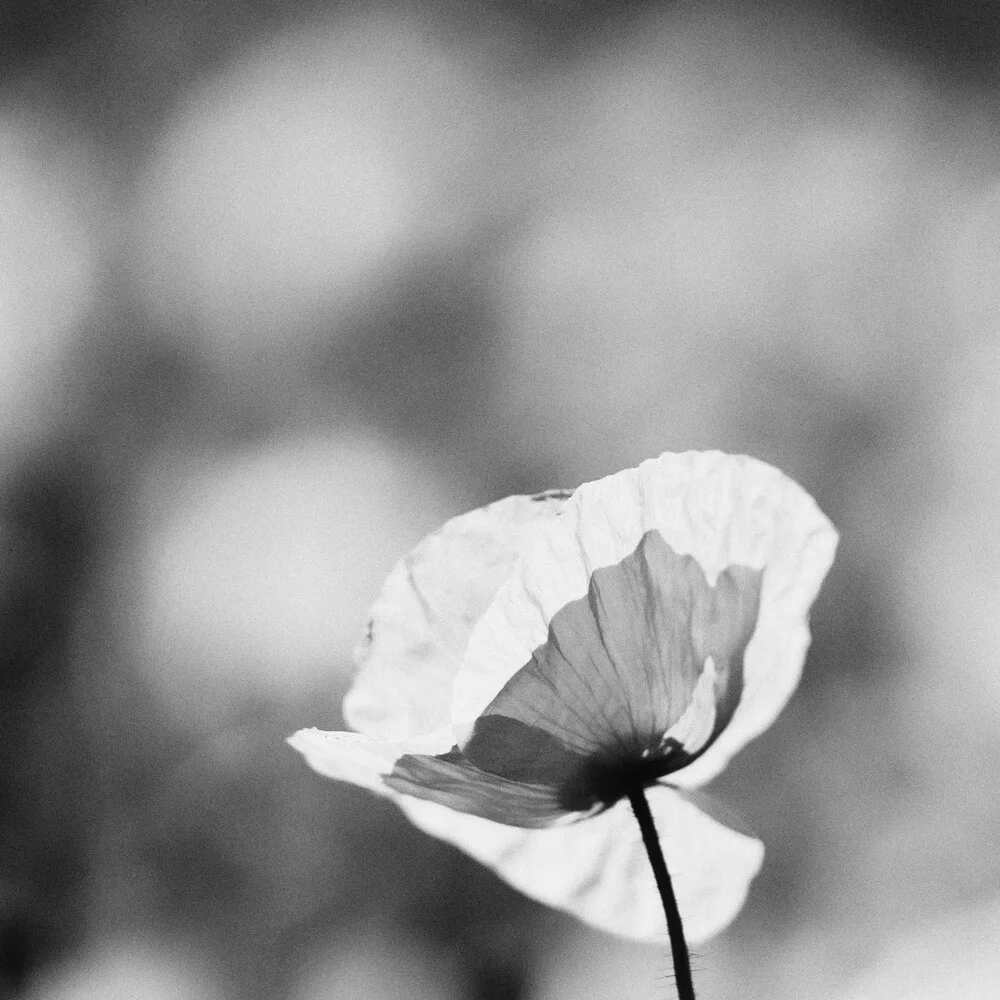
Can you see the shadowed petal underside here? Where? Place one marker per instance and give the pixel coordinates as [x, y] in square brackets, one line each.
[451, 780]
[636, 679]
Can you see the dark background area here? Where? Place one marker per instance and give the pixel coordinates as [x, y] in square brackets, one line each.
[283, 286]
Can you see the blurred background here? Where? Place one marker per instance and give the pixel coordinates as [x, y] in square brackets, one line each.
[285, 285]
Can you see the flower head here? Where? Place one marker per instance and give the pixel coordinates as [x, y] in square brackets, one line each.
[535, 662]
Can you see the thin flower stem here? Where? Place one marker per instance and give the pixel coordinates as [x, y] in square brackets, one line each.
[675, 928]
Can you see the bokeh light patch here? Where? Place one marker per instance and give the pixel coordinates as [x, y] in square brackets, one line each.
[715, 213]
[378, 965]
[119, 970]
[954, 955]
[255, 569]
[301, 178]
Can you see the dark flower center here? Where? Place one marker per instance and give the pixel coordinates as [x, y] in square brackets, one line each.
[507, 748]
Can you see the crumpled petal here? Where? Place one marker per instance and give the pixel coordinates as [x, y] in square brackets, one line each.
[464, 612]
[421, 622]
[597, 868]
[720, 509]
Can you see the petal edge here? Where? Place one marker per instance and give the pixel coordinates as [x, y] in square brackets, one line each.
[597, 868]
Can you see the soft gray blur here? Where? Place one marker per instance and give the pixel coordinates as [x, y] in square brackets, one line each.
[282, 287]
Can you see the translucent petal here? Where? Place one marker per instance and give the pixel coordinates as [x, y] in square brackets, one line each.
[453, 781]
[428, 606]
[620, 665]
[360, 759]
[724, 511]
[597, 868]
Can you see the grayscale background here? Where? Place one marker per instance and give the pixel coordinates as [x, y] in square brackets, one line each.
[285, 285]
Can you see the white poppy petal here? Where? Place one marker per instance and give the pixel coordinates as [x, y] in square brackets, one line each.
[360, 759]
[428, 606]
[597, 869]
[693, 729]
[576, 647]
[724, 511]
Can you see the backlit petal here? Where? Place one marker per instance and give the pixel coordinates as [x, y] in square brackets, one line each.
[725, 512]
[422, 620]
[621, 664]
[453, 781]
[359, 759]
[597, 868]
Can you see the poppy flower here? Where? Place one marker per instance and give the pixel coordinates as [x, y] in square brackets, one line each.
[535, 666]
